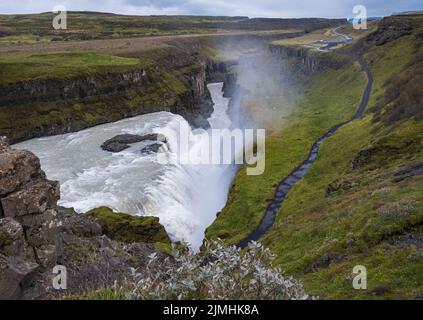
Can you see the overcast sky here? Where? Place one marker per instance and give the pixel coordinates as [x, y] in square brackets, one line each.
[251, 8]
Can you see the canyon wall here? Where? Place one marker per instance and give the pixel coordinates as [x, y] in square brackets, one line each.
[306, 60]
[41, 107]
[287, 60]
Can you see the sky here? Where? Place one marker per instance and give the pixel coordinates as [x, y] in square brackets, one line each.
[251, 8]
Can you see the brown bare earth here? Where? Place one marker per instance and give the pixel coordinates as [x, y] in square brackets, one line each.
[129, 45]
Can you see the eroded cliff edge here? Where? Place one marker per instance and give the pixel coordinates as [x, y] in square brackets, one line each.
[36, 235]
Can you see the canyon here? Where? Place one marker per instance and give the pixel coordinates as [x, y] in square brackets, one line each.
[358, 201]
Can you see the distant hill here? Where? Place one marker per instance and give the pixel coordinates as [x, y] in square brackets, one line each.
[409, 13]
[98, 25]
[351, 20]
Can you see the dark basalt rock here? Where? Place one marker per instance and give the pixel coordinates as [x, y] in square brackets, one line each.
[409, 171]
[13, 272]
[200, 122]
[389, 33]
[114, 147]
[338, 185]
[28, 222]
[363, 158]
[152, 148]
[122, 141]
[326, 260]
[414, 240]
[229, 85]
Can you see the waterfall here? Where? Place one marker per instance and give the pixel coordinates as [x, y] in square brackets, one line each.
[185, 197]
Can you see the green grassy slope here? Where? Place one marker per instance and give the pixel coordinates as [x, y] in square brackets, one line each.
[24, 67]
[330, 98]
[352, 208]
[361, 202]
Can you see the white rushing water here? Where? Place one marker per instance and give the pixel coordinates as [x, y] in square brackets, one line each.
[186, 198]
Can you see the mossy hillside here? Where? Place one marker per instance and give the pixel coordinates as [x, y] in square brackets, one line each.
[400, 95]
[369, 214]
[329, 98]
[59, 65]
[314, 230]
[127, 228]
[321, 238]
[158, 63]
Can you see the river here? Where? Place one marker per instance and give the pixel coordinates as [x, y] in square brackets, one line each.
[186, 198]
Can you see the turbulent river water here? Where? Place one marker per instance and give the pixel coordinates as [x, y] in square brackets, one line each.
[186, 198]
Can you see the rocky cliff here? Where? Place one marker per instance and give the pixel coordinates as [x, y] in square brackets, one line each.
[36, 235]
[285, 60]
[217, 70]
[24, 92]
[51, 105]
[307, 60]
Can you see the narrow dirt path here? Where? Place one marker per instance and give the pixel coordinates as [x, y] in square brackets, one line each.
[297, 174]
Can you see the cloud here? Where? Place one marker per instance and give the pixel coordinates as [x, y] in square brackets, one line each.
[252, 8]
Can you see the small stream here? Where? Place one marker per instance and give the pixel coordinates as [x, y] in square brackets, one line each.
[299, 173]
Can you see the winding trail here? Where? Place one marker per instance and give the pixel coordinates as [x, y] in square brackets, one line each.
[331, 43]
[298, 173]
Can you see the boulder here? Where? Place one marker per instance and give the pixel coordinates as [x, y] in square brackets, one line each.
[17, 167]
[122, 141]
[12, 240]
[42, 231]
[33, 198]
[114, 146]
[14, 273]
[80, 225]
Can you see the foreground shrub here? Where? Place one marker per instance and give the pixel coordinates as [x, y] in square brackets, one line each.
[219, 272]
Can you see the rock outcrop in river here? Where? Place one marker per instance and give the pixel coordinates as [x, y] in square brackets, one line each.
[122, 141]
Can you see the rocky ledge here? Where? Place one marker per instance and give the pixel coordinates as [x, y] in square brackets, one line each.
[36, 235]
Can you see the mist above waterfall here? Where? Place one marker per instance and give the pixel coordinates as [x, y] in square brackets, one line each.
[266, 92]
